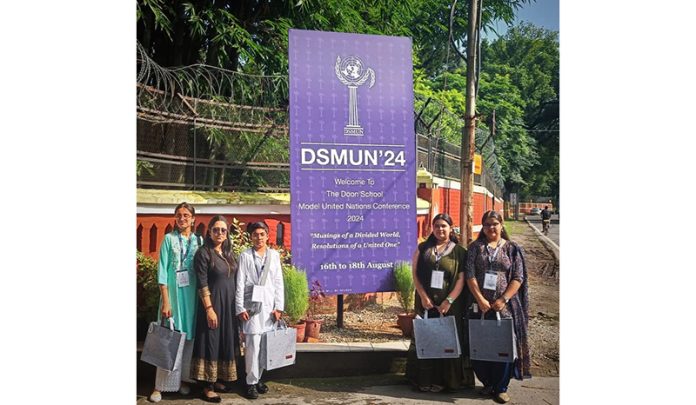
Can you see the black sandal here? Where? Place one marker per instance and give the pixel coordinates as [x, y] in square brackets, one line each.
[216, 399]
[221, 387]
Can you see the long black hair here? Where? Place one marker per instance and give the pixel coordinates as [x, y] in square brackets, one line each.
[432, 240]
[226, 245]
[190, 209]
[494, 215]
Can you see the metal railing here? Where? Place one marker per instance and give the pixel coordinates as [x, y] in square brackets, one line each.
[205, 128]
[179, 156]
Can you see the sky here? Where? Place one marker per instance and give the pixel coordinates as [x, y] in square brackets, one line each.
[542, 13]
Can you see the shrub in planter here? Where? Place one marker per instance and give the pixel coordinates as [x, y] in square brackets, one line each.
[148, 294]
[296, 296]
[405, 288]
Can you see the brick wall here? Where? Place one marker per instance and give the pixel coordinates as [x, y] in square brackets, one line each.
[151, 228]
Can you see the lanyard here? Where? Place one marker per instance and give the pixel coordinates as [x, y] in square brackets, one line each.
[263, 263]
[493, 256]
[438, 256]
[184, 254]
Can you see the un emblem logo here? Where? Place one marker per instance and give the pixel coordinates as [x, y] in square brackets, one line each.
[352, 73]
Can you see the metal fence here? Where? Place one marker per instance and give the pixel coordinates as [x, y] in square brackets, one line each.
[442, 158]
[174, 155]
[206, 128]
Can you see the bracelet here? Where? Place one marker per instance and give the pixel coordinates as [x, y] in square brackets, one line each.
[208, 307]
[505, 299]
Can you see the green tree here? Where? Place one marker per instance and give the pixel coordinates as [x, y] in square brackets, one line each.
[529, 55]
[252, 36]
[526, 59]
[519, 77]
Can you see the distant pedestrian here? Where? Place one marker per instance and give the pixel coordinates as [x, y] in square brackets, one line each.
[546, 219]
[259, 301]
[213, 361]
[177, 283]
[438, 275]
[496, 275]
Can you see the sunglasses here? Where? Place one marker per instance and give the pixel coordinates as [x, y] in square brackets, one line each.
[219, 230]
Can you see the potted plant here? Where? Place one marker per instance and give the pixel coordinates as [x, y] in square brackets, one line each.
[316, 296]
[296, 297]
[403, 283]
[148, 294]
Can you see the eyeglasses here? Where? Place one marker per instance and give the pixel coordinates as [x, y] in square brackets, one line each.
[492, 225]
[219, 230]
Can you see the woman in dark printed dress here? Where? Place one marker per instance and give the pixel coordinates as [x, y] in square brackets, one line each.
[213, 361]
[445, 293]
[497, 278]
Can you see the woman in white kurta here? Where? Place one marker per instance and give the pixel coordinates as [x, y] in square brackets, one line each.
[177, 282]
[252, 263]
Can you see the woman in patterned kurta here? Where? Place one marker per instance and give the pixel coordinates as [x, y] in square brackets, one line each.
[177, 283]
[442, 253]
[504, 290]
[216, 328]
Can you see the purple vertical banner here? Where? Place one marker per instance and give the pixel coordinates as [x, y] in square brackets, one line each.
[352, 158]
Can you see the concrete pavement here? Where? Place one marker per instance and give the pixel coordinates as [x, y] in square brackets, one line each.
[371, 389]
[314, 380]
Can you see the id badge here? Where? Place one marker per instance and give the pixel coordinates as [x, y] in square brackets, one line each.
[491, 281]
[182, 278]
[257, 294]
[437, 279]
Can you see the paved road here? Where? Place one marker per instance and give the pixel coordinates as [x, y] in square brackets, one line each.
[554, 230]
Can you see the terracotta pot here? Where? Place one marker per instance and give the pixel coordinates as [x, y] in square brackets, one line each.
[312, 328]
[405, 323]
[300, 331]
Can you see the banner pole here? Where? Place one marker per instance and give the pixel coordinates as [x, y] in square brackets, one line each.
[339, 311]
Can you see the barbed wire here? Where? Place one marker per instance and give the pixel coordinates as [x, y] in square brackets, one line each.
[452, 124]
[211, 96]
[217, 98]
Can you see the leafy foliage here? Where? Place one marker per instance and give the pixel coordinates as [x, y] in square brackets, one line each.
[142, 166]
[524, 68]
[240, 239]
[252, 36]
[296, 292]
[148, 288]
[403, 281]
[519, 79]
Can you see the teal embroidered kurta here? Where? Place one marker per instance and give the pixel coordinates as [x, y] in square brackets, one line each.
[183, 300]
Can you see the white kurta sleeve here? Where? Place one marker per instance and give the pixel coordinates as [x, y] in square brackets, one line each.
[241, 282]
[279, 298]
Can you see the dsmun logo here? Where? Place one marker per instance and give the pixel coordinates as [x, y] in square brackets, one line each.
[352, 73]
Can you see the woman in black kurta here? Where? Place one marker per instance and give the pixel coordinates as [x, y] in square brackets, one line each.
[441, 252]
[214, 348]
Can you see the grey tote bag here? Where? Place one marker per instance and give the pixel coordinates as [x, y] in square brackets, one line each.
[163, 345]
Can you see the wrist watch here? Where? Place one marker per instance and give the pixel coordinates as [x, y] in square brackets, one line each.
[450, 300]
[505, 299]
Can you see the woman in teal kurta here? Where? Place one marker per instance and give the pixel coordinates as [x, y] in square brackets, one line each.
[178, 296]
